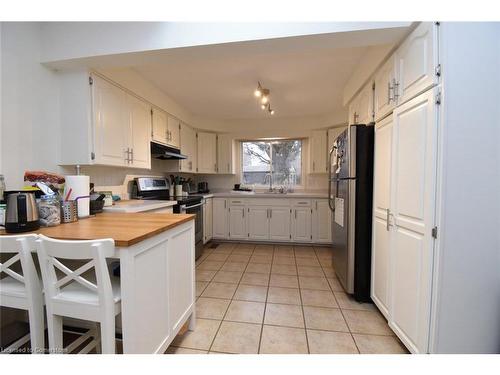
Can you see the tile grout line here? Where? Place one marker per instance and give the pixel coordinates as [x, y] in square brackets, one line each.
[231, 299]
[302, 304]
[342, 313]
[265, 304]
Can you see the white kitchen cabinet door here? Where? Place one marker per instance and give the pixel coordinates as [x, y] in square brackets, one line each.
[225, 164]
[318, 151]
[173, 132]
[415, 137]
[188, 148]
[159, 126]
[382, 192]
[207, 152]
[384, 99]
[219, 218]
[361, 108]
[279, 224]
[322, 221]
[140, 133]
[301, 224]
[237, 222]
[416, 62]
[111, 119]
[258, 223]
[207, 220]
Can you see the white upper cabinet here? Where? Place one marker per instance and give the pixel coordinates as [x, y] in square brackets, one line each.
[188, 148]
[111, 123]
[140, 133]
[385, 82]
[322, 221]
[361, 107]
[318, 151]
[417, 62]
[225, 149]
[173, 132]
[122, 127]
[159, 126]
[207, 152]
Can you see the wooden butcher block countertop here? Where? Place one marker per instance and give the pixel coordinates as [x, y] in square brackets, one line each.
[125, 228]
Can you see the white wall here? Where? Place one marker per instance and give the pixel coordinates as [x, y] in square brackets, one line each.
[467, 303]
[71, 40]
[30, 114]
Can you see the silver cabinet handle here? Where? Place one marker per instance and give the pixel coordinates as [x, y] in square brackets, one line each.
[314, 166]
[225, 204]
[355, 118]
[395, 89]
[389, 89]
[316, 205]
[243, 212]
[388, 219]
[228, 167]
[270, 213]
[132, 154]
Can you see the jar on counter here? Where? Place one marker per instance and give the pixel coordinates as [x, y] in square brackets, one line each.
[49, 210]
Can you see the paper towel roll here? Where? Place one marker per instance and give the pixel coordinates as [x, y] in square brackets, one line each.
[80, 186]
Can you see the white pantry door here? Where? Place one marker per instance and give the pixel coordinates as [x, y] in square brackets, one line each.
[381, 204]
[415, 132]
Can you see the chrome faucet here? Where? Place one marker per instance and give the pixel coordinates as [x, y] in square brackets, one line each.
[270, 181]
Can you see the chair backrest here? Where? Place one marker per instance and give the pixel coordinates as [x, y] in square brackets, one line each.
[21, 246]
[52, 253]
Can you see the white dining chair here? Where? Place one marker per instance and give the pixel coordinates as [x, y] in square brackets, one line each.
[76, 294]
[22, 291]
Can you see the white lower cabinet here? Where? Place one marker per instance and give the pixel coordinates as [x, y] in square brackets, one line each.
[301, 224]
[237, 223]
[219, 218]
[321, 221]
[272, 219]
[207, 220]
[280, 223]
[258, 223]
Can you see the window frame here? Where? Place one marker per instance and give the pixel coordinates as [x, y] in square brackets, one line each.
[270, 140]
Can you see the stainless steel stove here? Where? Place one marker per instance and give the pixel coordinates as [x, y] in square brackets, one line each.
[152, 188]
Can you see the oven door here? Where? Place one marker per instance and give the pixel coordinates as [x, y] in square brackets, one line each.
[196, 209]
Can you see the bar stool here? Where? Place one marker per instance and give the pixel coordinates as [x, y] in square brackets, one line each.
[22, 291]
[75, 296]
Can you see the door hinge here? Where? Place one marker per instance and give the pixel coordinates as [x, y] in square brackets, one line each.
[290, 236]
[92, 155]
[437, 70]
[438, 98]
[434, 232]
[151, 111]
[311, 236]
[91, 81]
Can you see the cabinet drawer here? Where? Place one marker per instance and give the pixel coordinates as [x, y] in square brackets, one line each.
[280, 202]
[301, 202]
[237, 202]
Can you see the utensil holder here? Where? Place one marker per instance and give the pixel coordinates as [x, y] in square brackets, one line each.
[178, 190]
[69, 211]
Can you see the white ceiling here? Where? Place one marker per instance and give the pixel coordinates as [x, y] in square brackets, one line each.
[306, 75]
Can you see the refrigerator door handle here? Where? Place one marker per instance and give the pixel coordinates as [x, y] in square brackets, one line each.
[331, 203]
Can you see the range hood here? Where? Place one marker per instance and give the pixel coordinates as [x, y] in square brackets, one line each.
[159, 151]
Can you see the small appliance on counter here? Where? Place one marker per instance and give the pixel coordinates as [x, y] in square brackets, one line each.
[241, 187]
[203, 187]
[22, 211]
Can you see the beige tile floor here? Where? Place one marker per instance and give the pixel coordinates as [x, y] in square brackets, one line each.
[278, 299]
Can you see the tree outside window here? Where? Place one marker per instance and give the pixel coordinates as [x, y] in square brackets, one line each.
[280, 159]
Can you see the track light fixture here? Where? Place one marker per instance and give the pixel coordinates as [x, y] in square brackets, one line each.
[263, 94]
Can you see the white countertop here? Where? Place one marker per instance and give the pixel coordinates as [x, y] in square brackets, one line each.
[137, 205]
[253, 194]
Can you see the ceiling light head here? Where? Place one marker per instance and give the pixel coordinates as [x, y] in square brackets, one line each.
[263, 106]
[271, 111]
[265, 99]
[257, 93]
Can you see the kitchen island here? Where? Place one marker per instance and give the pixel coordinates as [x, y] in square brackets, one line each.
[156, 255]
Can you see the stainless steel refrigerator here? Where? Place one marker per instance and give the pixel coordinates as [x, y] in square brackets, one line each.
[350, 199]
